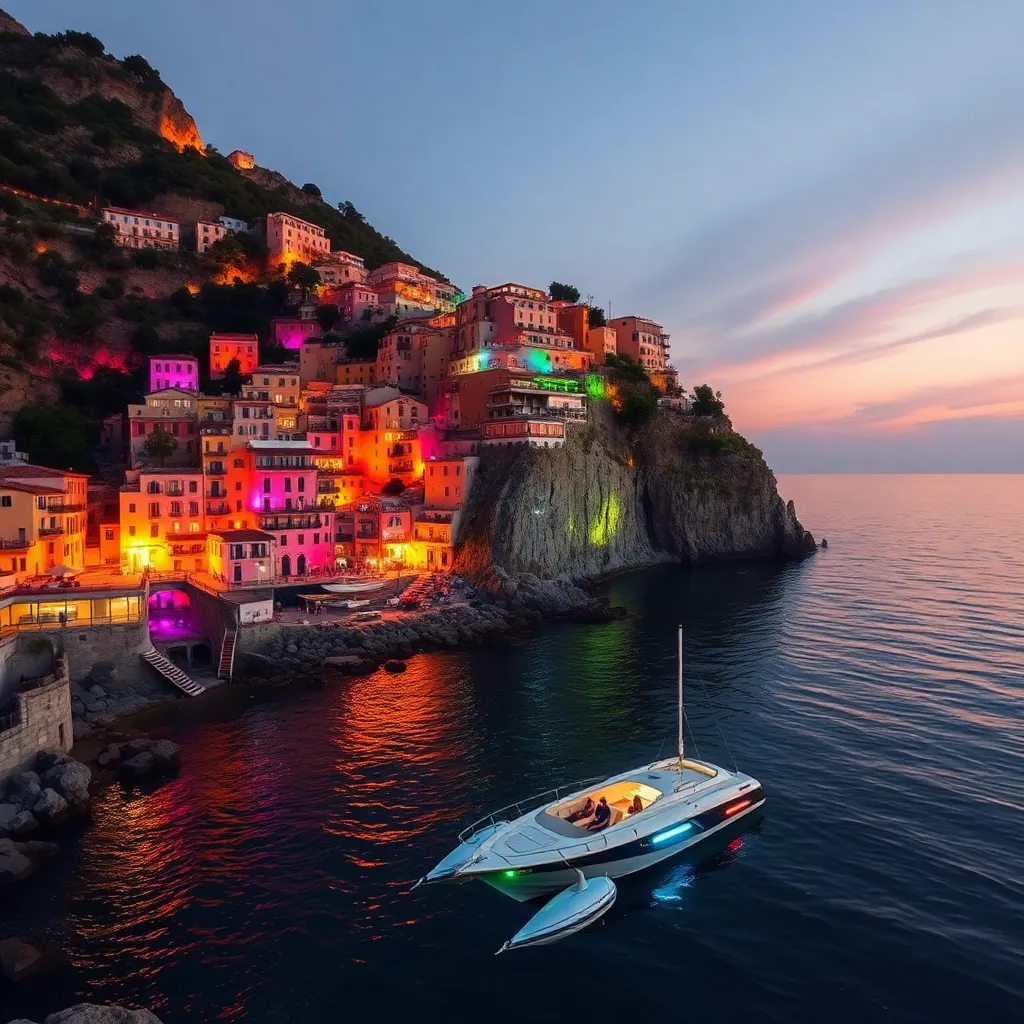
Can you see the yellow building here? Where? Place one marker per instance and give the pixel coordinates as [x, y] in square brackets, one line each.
[162, 520]
[43, 519]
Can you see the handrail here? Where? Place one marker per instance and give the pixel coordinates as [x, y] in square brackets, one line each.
[530, 802]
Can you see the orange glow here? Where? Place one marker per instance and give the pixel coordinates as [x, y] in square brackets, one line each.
[192, 287]
[736, 807]
[181, 134]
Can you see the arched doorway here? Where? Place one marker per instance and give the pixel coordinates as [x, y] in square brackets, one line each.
[286, 565]
[300, 565]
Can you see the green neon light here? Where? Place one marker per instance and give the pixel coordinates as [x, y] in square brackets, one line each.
[595, 386]
[605, 524]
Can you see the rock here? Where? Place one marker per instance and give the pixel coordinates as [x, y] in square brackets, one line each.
[8, 812]
[47, 759]
[14, 865]
[98, 691]
[36, 849]
[292, 649]
[394, 666]
[138, 766]
[91, 1013]
[102, 675]
[109, 755]
[24, 788]
[51, 808]
[20, 959]
[22, 824]
[166, 753]
[71, 781]
[82, 730]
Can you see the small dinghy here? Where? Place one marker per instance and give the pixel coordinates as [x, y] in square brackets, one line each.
[572, 910]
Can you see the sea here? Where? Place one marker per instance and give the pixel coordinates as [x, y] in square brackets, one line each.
[876, 689]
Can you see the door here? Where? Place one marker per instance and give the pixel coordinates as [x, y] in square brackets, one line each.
[300, 565]
[286, 565]
[238, 573]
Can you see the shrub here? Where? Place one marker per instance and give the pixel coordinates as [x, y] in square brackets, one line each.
[393, 486]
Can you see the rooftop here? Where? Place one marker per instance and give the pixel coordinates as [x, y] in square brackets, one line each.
[241, 536]
[280, 445]
[10, 485]
[27, 471]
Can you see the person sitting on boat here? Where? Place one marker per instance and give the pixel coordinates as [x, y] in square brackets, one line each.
[636, 805]
[602, 816]
[584, 812]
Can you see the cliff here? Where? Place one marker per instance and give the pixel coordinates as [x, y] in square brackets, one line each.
[677, 490]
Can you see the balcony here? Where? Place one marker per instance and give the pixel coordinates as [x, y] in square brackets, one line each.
[175, 513]
[60, 507]
[15, 545]
[402, 466]
[218, 508]
[215, 470]
[295, 522]
[51, 531]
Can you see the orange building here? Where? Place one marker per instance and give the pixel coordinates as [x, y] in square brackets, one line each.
[290, 239]
[162, 520]
[225, 347]
[642, 340]
[601, 343]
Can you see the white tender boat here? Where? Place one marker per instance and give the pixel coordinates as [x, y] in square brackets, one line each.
[355, 585]
[558, 842]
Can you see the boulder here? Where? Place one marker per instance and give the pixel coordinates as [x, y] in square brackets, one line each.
[138, 766]
[71, 781]
[47, 759]
[36, 849]
[24, 788]
[109, 755]
[20, 959]
[91, 1013]
[8, 812]
[167, 754]
[51, 808]
[98, 691]
[394, 666]
[82, 730]
[22, 824]
[102, 674]
[14, 865]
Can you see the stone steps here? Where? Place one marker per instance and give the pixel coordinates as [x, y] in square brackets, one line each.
[227, 657]
[172, 673]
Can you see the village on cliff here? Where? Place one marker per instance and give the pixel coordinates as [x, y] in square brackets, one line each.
[322, 469]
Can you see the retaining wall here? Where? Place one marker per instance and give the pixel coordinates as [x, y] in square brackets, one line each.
[41, 721]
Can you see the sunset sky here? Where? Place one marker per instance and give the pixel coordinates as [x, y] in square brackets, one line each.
[823, 202]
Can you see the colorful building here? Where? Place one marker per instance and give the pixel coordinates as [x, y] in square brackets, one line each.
[180, 372]
[43, 519]
[317, 358]
[376, 531]
[356, 371]
[342, 268]
[280, 386]
[162, 520]
[538, 433]
[225, 347]
[137, 229]
[241, 557]
[641, 340]
[172, 410]
[601, 343]
[353, 301]
[291, 240]
[292, 332]
[207, 232]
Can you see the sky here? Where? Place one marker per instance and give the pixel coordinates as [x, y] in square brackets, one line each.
[823, 203]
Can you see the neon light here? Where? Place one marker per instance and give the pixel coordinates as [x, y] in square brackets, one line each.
[736, 807]
[595, 386]
[510, 874]
[605, 524]
[663, 837]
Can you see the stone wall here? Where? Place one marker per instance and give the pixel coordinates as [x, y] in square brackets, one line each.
[8, 657]
[116, 646]
[42, 721]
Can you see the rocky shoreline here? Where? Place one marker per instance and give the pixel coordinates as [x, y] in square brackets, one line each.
[509, 605]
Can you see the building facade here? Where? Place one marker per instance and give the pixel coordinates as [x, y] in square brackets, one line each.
[178, 372]
[225, 347]
[137, 229]
[290, 239]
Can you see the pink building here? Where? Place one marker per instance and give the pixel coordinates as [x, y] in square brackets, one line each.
[291, 240]
[181, 372]
[291, 331]
[284, 498]
[342, 268]
[137, 229]
[352, 300]
[642, 340]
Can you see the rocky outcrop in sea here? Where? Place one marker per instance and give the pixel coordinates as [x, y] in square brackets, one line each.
[681, 489]
[90, 1013]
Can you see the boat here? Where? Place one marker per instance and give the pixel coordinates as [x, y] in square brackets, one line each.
[355, 584]
[548, 844]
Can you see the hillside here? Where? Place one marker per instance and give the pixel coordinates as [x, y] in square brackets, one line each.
[80, 129]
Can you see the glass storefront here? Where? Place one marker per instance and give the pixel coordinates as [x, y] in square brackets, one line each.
[29, 612]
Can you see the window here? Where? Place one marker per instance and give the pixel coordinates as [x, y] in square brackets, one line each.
[131, 509]
[193, 487]
[284, 540]
[316, 538]
[154, 510]
[302, 484]
[154, 530]
[41, 503]
[287, 484]
[5, 501]
[108, 534]
[302, 539]
[131, 531]
[266, 485]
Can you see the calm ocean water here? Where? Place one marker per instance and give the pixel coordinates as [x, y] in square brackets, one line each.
[875, 689]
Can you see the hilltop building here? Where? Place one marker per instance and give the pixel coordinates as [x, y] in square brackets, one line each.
[137, 229]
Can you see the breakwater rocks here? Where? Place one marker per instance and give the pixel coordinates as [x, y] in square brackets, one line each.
[515, 603]
[90, 1013]
[140, 759]
[55, 789]
[102, 698]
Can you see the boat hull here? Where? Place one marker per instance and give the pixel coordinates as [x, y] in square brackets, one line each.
[529, 884]
[356, 587]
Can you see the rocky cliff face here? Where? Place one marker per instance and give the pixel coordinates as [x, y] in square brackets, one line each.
[608, 501]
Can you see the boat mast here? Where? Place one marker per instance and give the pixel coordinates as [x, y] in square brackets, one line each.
[680, 697]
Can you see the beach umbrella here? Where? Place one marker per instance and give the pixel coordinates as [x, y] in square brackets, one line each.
[61, 570]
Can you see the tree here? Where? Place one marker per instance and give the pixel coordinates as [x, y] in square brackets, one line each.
[312, 190]
[597, 317]
[137, 65]
[327, 315]
[231, 382]
[393, 486]
[303, 276]
[53, 435]
[349, 212]
[160, 444]
[706, 402]
[563, 292]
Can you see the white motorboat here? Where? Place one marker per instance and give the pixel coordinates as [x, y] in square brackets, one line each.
[355, 585]
[556, 842]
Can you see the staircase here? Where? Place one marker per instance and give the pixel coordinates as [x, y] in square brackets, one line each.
[172, 673]
[227, 656]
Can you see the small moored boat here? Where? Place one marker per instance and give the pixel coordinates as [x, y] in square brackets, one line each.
[355, 585]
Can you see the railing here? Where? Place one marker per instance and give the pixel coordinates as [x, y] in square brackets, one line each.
[523, 806]
[61, 507]
[15, 545]
[221, 509]
[51, 531]
[215, 471]
[290, 522]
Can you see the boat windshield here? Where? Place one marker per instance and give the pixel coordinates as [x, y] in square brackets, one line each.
[624, 799]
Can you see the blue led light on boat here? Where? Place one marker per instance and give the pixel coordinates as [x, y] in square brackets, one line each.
[662, 837]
